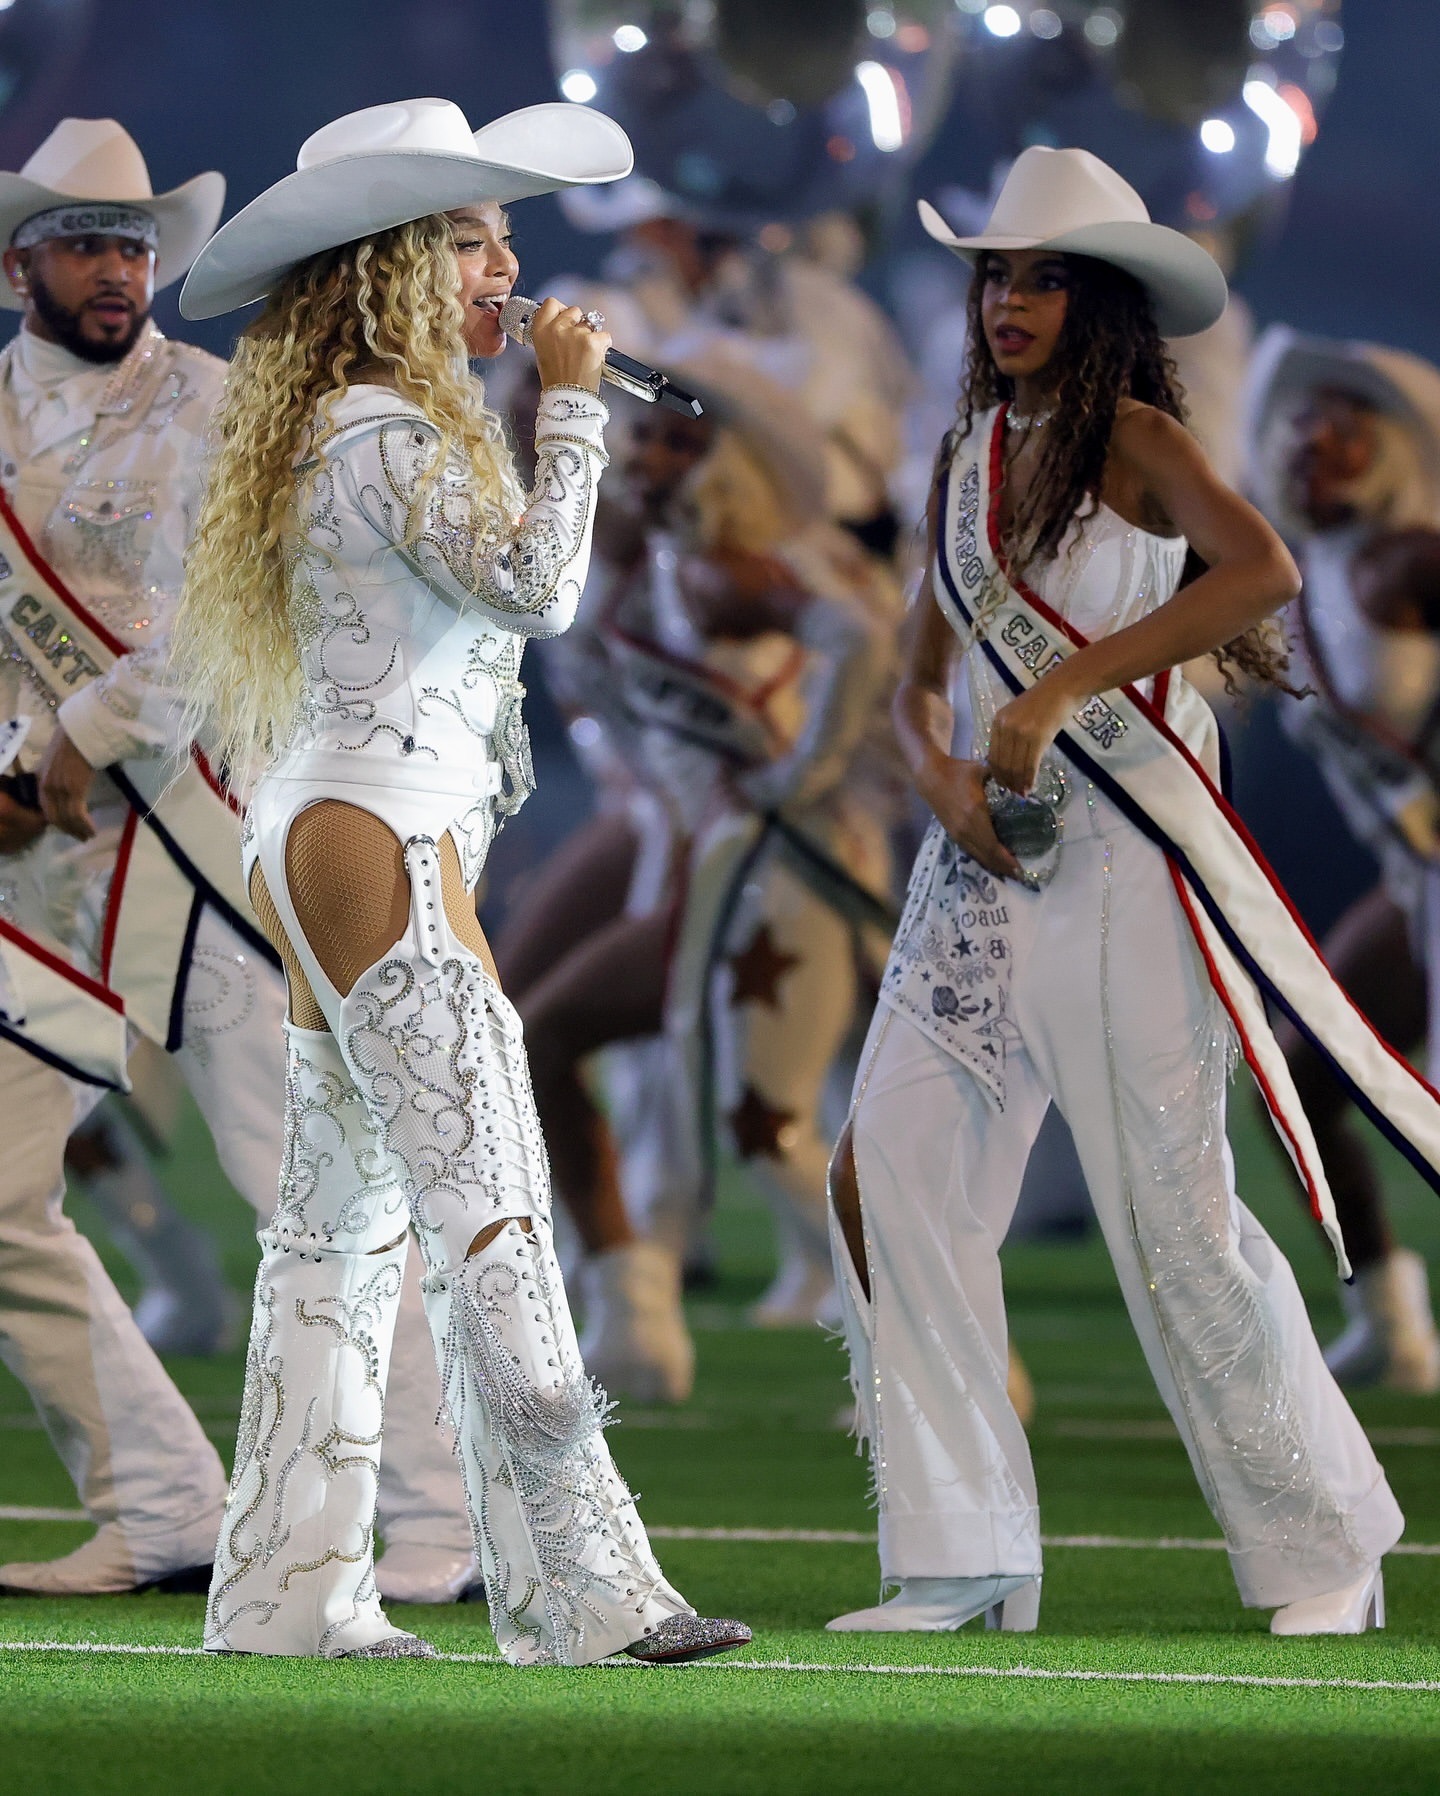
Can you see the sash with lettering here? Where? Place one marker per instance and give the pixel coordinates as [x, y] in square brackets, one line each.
[179, 850]
[1158, 762]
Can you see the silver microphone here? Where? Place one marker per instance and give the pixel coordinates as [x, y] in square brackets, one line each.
[621, 371]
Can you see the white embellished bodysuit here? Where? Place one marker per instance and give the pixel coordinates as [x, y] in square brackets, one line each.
[410, 651]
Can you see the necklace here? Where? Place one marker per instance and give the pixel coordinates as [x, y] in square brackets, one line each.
[1028, 420]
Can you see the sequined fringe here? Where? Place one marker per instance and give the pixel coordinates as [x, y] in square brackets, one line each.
[542, 1451]
[1227, 1363]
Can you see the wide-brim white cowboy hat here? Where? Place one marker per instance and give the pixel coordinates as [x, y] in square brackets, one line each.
[1073, 203]
[96, 160]
[1287, 368]
[389, 164]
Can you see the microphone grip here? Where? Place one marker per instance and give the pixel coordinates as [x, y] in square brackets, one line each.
[630, 376]
[649, 384]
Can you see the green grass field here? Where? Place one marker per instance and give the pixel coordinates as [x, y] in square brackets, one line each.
[1146, 1674]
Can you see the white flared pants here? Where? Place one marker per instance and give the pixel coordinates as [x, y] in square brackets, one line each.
[1114, 1020]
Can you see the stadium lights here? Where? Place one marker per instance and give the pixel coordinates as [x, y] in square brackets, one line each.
[886, 127]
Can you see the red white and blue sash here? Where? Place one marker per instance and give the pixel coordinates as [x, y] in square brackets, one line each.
[1158, 762]
[179, 850]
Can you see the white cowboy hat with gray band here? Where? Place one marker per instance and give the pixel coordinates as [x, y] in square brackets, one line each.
[386, 165]
[90, 174]
[1073, 203]
[1287, 367]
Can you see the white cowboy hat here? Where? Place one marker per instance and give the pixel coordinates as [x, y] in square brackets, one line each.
[635, 200]
[1286, 368]
[95, 159]
[1073, 203]
[387, 165]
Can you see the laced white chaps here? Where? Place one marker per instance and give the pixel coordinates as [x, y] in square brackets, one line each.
[415, 1114]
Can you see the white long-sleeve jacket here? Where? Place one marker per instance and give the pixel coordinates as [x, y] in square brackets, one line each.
[103, 466]
[409, 643]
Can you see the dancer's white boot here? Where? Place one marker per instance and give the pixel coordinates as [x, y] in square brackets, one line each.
[938, 1605]
[1391, 1338]
[1353, 1609]
[294, 1570]
[636, 1340]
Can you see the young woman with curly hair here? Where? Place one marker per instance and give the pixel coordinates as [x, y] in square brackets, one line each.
[1058, 945]
[365, 573]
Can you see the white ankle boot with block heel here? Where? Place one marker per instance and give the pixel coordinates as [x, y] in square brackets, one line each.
[940, 1605]
[1353, 1609]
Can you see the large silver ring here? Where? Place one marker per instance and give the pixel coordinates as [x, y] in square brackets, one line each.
[595, 320]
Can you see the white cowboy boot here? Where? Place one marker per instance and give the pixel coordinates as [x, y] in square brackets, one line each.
[636, 1341]
[567, 1567]
[110, 1565]
[294, 1572]
[1391, 1339]
[802, 1292]
[410, 1572]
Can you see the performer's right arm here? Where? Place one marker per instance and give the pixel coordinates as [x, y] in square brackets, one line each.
[924, 721]
[528, 578]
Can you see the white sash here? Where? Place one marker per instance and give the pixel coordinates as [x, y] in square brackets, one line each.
[179, 850]
[1159, 763]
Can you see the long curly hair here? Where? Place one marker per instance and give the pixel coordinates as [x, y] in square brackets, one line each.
[1109, 349]
[384, 308]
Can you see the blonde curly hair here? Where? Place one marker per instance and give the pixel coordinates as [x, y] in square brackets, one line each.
[387, 308]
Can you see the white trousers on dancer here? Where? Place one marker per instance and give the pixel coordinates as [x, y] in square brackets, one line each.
[128, 1439]
[1112, 1018]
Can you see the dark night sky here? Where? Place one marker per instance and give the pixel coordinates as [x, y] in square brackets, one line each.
[238, 83]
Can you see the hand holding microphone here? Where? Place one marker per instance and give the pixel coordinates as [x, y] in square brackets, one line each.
[566, 337]
[569, 351]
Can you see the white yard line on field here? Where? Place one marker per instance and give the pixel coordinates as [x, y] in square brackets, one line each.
[817, 1668]
[841, 1537]
[23, 1512]
[1175, 1543]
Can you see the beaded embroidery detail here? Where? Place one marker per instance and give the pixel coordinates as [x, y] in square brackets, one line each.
[949, 970]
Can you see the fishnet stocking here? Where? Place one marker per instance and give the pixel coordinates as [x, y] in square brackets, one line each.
[346, 872]
[305, 1013]
[347, 879]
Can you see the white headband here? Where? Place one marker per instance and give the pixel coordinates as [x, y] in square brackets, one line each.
[88, 218]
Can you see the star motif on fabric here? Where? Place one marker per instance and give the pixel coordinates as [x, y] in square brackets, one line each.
[758, 969]
[759, 1131]
[964, 947]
